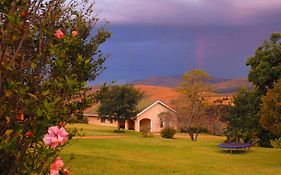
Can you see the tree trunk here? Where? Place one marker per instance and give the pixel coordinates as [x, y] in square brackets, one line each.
[191, 134]
[196, 135]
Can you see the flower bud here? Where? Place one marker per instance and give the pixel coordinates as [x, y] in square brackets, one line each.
[74, 33]
[28, 134]
[59, 34]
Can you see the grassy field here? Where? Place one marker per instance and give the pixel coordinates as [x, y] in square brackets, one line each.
[133, 154]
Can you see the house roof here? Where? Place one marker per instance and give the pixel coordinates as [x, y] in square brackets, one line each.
[90, 115]
[94, 114]
[155, 103]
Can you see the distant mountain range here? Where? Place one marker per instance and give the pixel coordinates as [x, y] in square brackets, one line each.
[219, 85]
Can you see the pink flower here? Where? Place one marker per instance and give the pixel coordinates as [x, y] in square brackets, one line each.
[59, 34]
[74, 33]
[56, 166]
[56, 136]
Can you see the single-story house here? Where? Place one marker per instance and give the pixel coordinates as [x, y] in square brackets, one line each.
[147, 118]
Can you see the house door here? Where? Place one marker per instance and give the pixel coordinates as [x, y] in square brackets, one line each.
[131, 125]
[145, 124]
[121, 124]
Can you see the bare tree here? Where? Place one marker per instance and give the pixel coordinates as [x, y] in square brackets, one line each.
[192, 104]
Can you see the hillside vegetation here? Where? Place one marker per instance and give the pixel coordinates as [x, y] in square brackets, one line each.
[218, 85]
[155, 93]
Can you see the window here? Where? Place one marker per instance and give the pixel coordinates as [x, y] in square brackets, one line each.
[102, 120]
[161, 122]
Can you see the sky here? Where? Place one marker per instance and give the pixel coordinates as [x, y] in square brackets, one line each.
[170, 37]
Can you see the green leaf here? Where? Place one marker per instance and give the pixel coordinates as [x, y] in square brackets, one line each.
[33, 96]
[39, 112]
[46, 92]
[33, 65]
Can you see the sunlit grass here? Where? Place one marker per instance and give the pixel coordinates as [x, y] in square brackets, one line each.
[95, 130]
[134, 154]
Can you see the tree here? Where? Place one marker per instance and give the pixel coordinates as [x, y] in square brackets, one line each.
[47, 54]
[219, 111]
[118, 102]
[265, 70]
[265, 65]
[243, 117]
[192, 104]
[220, 108]
[270, 114]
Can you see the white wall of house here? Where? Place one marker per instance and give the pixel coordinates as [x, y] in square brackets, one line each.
[94, 120]
[152, 114]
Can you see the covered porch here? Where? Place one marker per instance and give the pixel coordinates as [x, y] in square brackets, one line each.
[127, 124]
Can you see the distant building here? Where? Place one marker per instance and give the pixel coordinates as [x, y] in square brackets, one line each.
[148, 118]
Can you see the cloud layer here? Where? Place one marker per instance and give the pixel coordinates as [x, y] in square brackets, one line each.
[169, 37]
[193, 12]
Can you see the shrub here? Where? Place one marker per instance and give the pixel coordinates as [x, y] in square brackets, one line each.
[276, 143]
[119, 131]
[146, 132]
[201, 130]
[168, 132]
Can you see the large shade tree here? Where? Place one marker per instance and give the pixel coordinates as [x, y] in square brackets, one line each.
[192, 104]
[265, 65]
[49, 49]
[265, 70]
[118, 102]
[243, 117]
[270, 114]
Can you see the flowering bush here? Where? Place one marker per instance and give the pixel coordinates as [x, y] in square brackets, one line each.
[47, 54]
[56, 136]
[59, 34]
[56, 166]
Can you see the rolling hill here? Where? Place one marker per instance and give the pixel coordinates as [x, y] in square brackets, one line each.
[151, 94]
[167, 95]
[164, 89]
[155, 93]
[219, 85]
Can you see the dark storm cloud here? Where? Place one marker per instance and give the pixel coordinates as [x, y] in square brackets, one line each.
[169, 37]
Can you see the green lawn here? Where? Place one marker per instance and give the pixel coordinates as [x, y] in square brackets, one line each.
[135, 155]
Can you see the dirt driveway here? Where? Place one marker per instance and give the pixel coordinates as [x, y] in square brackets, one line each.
[99, 137]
